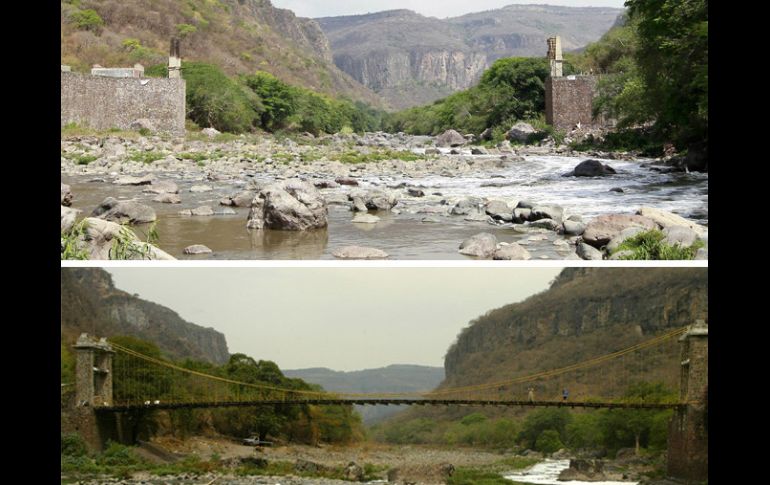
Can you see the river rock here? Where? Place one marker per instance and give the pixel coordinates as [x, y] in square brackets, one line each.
[521, 215]
[511, 251]
[499, 210]
[66, 195]
[131, 180]
[432, 151]
[376, 199]
[292, 205]
[414, 474]
[68, 218]
[359, 252]
[465, 206]
[168, 199]
[197, 249]
[588, 252]
[520, 132]
[603, 228]
[413, 192]
[573, 228]
[680, 235]
[666, 219]
[549, 224]
[619, 255]
[201, 188]
[119, 211]
[547, 212]
[478, 151]
[347, 181]
[210, 132]
[592, 168]
[482, 245]
[365, 219]
[450, 138]
[486, 134]
[99, 236]
[626, 233]
[353, 472]
[241, 199]
[583, 470]
[203, 210]
[162, 187]
[325, 184]
[525, 204]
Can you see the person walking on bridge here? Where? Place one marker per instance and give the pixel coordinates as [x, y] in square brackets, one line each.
[531, 394]
[564, 394]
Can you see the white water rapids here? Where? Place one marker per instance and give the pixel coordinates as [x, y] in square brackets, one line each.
[547, 473]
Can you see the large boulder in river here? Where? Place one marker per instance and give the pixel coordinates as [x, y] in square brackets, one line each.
[68, 218]
[466, 206]
[554, 212]
[498, 210]
[583, 470]
[512, 251]
[291, 205]
[376, 199]
[603, 228]
[241, 199]
[66, 195]
[450, 138]
[162, 187]
[109, 240]
[520, 132]
[592, 168]
[124, 211]
[482, 245]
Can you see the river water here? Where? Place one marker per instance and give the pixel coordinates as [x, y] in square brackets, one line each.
[547, 473]
[421, 229]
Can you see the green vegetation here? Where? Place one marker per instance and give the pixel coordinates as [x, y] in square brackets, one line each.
[474, 476]
[511, 90]
[355, 156]
[546, 430]
[146, 157]
[651, 245]
[71, 247]
[86, 20]
[84, 159]
[262, 101]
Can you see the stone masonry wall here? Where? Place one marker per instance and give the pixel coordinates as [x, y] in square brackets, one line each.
[688, 430]
[568, 100]
[104, 102]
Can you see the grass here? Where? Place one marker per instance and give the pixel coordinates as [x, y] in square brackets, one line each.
[71, 247]
[146, 157]
[73, 130]
[649, 245]
[84, 159]
[353, 156]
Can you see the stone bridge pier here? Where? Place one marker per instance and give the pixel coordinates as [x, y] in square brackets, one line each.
[688, 441]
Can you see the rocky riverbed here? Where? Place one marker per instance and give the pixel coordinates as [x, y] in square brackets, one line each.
[374, 196]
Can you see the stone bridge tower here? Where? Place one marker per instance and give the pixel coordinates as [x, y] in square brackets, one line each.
[93, 372]
[568, 99]
[688, 430]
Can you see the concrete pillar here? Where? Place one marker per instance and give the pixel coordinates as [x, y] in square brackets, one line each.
[688, 430]
[174, 60]
[93, 372]
[554, 56]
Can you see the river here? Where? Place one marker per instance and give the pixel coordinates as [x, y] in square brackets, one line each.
[547, 473]
[420, 228]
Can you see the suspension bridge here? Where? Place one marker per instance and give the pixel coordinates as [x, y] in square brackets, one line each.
[112, 380]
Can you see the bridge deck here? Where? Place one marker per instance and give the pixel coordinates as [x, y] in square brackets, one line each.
[388, 402]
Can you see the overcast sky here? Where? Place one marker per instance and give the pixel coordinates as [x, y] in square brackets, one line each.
[340, 318]
[431, 8]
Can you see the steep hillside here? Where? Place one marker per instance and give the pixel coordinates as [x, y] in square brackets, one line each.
[410, 59]
[587, 312]
[393, 378]
[240, 36]
[91, 303]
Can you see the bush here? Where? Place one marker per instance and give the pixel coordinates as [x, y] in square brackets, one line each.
[549, 442]
[650, 245]
[72, 444]
[87, 20]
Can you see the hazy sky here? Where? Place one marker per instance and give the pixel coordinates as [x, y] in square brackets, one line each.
[431, 8]
[340, 318]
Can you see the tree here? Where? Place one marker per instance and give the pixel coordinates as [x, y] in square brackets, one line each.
[543, 420]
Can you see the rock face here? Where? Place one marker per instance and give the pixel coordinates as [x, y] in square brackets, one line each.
[602, 229]
[91, 303]
[592, 168]
[583, 310]
[124, 211]
[410, 59]
[291, 205]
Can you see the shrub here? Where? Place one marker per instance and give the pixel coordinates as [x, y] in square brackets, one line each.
[72, 444]
[185, 29]
[549, 442]
[87, 20]
[651, 245]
